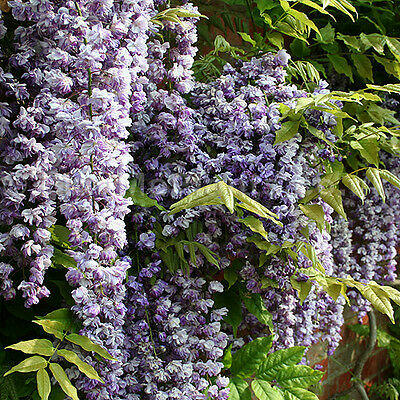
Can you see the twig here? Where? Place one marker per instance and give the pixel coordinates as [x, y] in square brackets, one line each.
[359, 365]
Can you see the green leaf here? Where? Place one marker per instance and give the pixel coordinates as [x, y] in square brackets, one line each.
[210, 256]
[205, 196]
[255, 304]
[28, 365]
[60, 258]
[356, 185]
[381, 115]
[363, 66]
[88, 345]
[373, 174]
[391, 88]
[264, 391]
[303, 288]
[227, 358]
[368, 149]
[35, 346]
[60, 235]
[295, 393]
[333, 197]
[350, 41]
[255, 207]
[394, 46]
[62, 378]
[231, 300]
[83, 366]
[62, 315]
[247, 38]
[230, 276]
[276, 39]
[246, 360]
[391, 292]
[264, 245]
[255, 225]
[141, 199]
[374, 40]
[43, 384]
[55, 328]
[341, 65]
[391, 178]
[377, 298]
[314, 212]
[391, 66]
[238, 389]
[298, 376]
[326, 34]
[226, 195]
[316, 7]
[280, 359]
[342, 5]
[299, 16]
[287, 131]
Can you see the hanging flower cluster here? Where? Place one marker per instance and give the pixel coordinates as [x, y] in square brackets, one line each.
[365, 246]
[175, 337]
[66, 144]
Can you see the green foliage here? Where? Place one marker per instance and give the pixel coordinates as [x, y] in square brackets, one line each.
[388, 390]
[255, 305]
[385, 340]
[139, 198]
[352, 44]
[60, 324]
[380, 296]
[174, 15]
[221, 193]
[276, 376]
[209, 66]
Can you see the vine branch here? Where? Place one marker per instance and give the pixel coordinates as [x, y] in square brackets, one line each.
[360, 363]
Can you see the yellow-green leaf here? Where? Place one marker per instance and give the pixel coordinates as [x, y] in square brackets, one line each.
[333, 197]
[391, 178]
[254, 206]
[341, 65]
[35, 346]
[391, 66]
[374, 176]
[88, 345]
[53, 327]
[363, 65]
[377, 298]
[226, 195]
[391, 88]
[206, 195]
[393, 293]
[356, 185]
[297, 393]
[351, 41]
[287, 131]
[374, 40]
[62, 378]
[264, 391]
[394, 46]
[83, 366]
[28, 365]
[342, 5]
[315, 212]
[303, 288]
[43, 384]
[255, 225]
